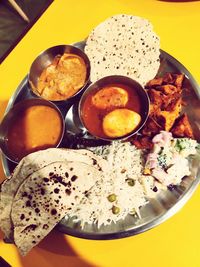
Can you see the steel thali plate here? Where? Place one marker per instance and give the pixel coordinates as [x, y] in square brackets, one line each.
[156, 210]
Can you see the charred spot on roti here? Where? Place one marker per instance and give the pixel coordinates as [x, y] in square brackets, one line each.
[59, 179]
[67, 191]
[28, 203]
[45, 226]
[46, 180]
[68, 184]
[30, 227]
[94, 161]
[42, 191]
[22, 216]
[37, 210]
[56, 190]
[24, 194]
[66, 174]
[73, 178]
[53, 212]
[71, 169]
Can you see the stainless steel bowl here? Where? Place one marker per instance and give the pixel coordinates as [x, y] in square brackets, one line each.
[11, 115]
[45, 59]
[123, 80]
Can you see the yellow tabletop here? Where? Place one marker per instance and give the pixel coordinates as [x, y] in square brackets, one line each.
[174, 243]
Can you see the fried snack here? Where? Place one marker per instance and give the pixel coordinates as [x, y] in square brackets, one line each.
[154, 82]
[151, 127]
[167, 118]
[142, 142]
[182, 127]
[165, 95]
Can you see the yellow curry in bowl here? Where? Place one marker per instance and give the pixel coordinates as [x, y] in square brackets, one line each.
[62, 78]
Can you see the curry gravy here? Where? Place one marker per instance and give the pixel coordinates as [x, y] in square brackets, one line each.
[92, 116]
[36, 127]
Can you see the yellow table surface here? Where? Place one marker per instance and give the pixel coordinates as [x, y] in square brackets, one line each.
[174, 243]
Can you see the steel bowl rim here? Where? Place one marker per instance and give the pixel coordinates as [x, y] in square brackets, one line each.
[87, 81]
[132, 133]
[42, 103]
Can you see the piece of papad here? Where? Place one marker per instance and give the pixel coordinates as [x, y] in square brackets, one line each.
[124, 45]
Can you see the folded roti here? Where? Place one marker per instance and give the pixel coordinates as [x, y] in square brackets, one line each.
[29, 165]
[44, 198]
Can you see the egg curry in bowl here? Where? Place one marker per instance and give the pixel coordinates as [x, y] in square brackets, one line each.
[112, 111]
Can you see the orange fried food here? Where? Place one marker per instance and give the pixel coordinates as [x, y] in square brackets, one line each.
[109, 97]
[152, 127]
[167, 89]
[154, 82]
[182, 127]
[175, 79]
[142, 142]
[178, 80]
[167, 118]
[165, 95]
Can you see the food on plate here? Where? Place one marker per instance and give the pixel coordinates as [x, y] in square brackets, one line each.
[134, 178]
[165, 95]
[98, 187]
[112, 111]
[182, 127]
[168, 161]
[62, 78]
[32, 163]
[120, 122]
[110, 97]
[36, 127]
[43, 187]
[119, 194]
[124, 45]
[44, 198]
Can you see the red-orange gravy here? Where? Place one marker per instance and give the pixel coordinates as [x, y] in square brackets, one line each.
[35, 128]
[93, 116]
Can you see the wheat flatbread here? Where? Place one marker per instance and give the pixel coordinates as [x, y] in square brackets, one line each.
[44, 198]
[29, 165]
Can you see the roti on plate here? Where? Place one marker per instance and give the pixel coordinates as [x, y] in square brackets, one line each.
[44, 197]
[29, 165]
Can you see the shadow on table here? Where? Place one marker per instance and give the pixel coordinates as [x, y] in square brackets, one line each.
[53, 251]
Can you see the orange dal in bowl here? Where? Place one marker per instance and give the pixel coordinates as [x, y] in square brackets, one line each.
[35, 128]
